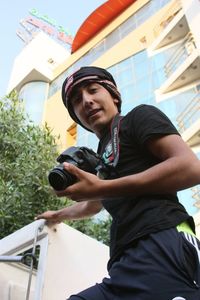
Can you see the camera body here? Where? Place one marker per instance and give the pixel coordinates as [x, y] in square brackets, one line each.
[81, 157]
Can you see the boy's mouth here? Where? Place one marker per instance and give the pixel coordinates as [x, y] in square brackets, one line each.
[93, 112]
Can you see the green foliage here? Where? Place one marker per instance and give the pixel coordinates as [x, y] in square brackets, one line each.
[96, 229]
[28, 152]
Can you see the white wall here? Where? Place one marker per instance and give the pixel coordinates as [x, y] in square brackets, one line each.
[69, 262]
[36, 56]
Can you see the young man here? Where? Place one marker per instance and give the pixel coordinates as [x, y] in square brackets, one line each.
[154, 253]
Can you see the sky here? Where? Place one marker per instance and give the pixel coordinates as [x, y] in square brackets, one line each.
[69, 14]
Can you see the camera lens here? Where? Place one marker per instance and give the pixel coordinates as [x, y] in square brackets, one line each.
[60, 179]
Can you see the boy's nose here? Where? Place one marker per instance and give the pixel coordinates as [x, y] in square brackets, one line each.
[87, 98]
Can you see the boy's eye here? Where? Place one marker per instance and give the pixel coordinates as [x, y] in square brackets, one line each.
[76, 99]
[92, 90]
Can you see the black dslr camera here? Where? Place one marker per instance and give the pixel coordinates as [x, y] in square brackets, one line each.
[82, 157]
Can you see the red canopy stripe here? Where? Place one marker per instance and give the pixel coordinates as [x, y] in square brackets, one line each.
[97, 20]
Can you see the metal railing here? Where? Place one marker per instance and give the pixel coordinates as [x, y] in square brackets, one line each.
[23, 259]
[167, 17]
[190, 114]
[196, 195]
[178, 57]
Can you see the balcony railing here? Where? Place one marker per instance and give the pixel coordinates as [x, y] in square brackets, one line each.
[190, 114]
[196, 195]
[179, 56]
[167, 17]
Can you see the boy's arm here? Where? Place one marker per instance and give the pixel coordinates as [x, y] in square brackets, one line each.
[179, 169]
[74, 212]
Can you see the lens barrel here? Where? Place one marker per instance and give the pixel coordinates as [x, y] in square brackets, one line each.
[60, 179]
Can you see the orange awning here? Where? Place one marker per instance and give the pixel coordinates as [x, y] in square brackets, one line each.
[97, 20]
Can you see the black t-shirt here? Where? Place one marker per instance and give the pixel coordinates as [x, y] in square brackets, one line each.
[136, 216]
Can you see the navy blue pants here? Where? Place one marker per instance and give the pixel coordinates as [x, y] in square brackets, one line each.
[162, 266]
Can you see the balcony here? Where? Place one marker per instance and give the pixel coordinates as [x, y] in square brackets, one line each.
[196, 195]
[171, 28]
[183, 68]
[189, 121]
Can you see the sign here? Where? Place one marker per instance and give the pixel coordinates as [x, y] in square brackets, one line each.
[50, 21]
[46, 24]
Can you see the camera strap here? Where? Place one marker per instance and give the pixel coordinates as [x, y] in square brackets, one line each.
[110, 151]
[115, 139]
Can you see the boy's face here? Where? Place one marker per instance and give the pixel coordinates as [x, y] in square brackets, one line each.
[94, 107]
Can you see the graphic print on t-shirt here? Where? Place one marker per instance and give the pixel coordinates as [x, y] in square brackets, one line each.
[108, 154]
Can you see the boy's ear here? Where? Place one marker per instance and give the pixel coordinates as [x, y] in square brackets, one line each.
[116, 101]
